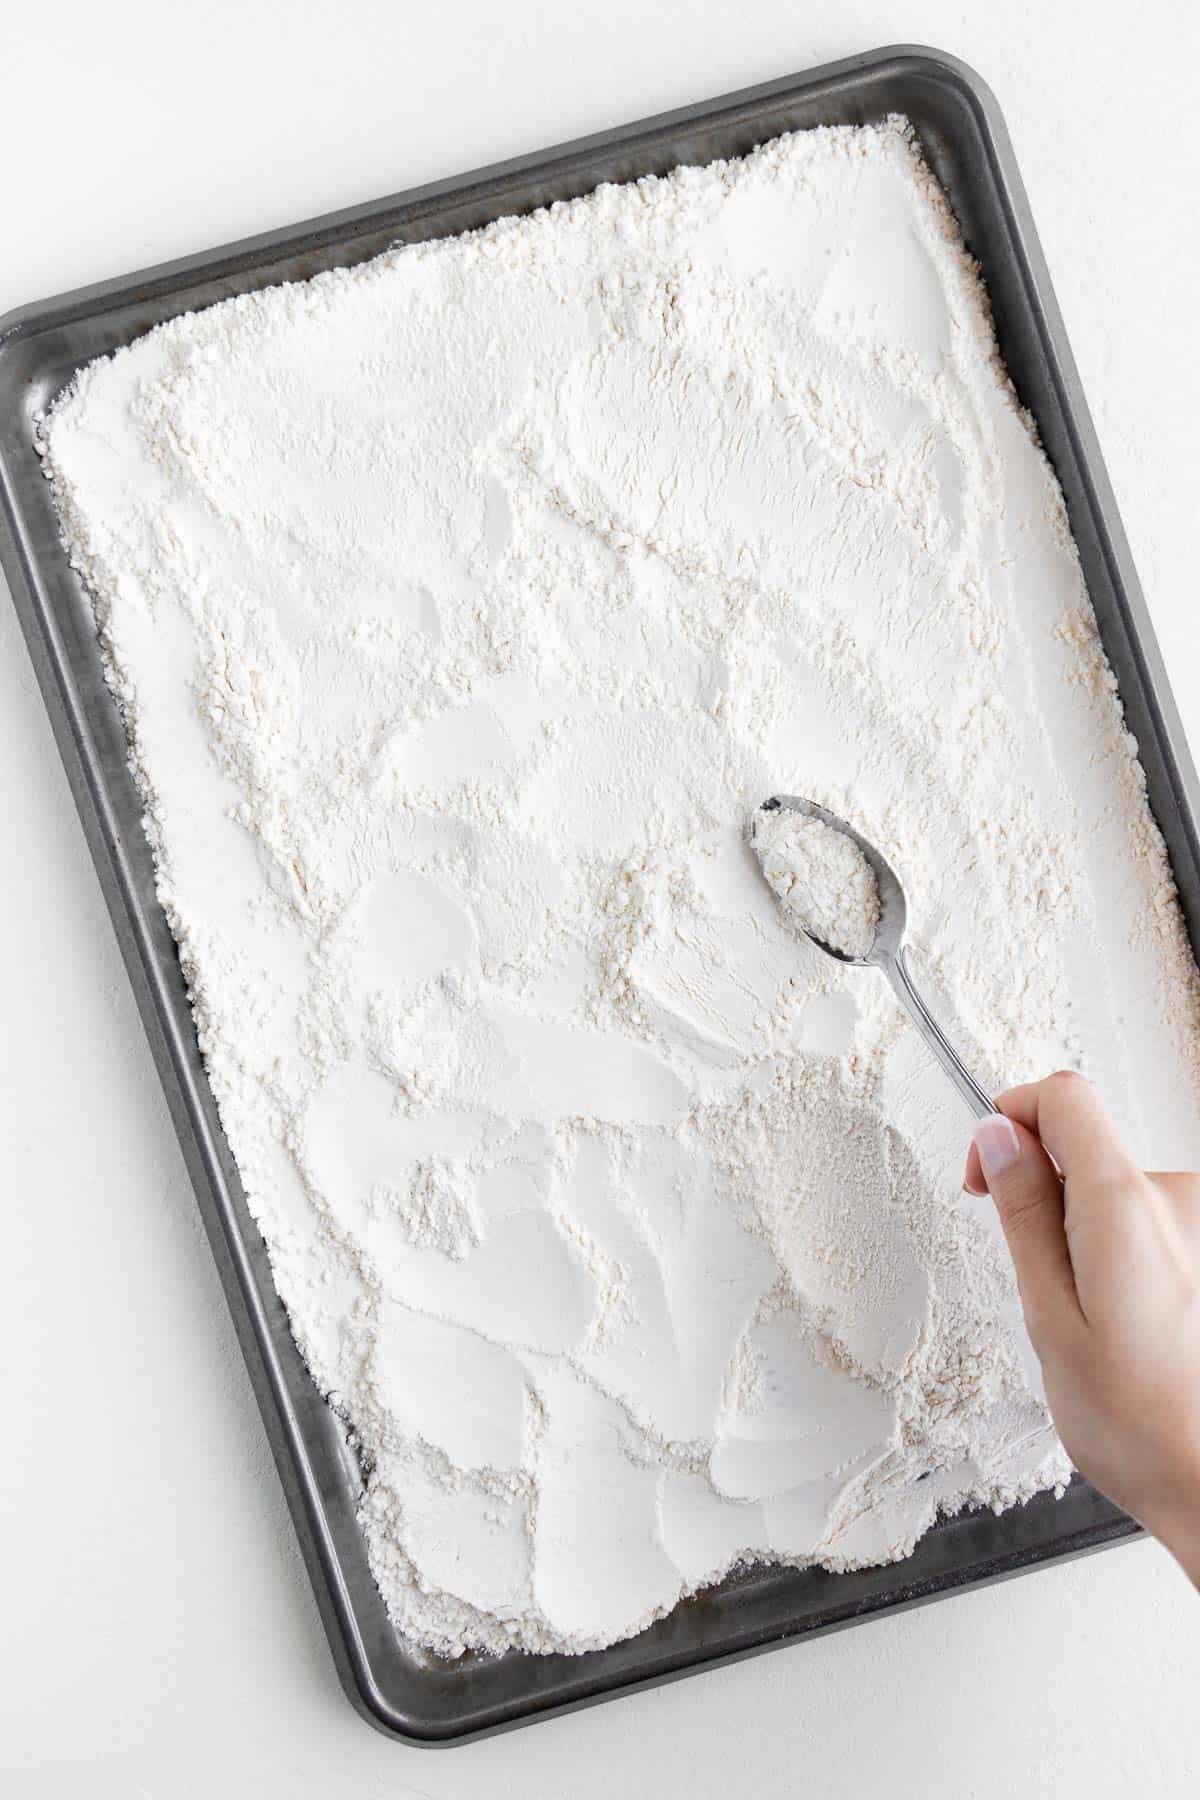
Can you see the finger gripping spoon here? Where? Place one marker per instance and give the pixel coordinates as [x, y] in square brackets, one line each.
[887, 950]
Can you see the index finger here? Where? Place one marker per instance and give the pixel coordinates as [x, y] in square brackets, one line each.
[1068, 1115]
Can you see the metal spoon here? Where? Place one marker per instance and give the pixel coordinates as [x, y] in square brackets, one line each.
[887, 952]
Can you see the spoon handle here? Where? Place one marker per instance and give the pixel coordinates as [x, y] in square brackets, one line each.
[896, 969]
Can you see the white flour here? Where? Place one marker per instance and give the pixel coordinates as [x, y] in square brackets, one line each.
[825, 885]
[462, 607]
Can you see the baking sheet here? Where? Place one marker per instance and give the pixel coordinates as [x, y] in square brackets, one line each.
[41, 347]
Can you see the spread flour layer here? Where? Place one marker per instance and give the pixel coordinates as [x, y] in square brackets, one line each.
[463, 606]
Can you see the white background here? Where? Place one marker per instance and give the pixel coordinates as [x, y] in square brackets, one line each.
[157, 1634]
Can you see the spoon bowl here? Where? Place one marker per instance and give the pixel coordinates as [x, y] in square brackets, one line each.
[887, 952]
[893, 907]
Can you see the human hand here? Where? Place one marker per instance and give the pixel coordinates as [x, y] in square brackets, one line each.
[1108, 1267]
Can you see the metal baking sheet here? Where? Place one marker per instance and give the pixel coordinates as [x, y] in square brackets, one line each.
[42, 346]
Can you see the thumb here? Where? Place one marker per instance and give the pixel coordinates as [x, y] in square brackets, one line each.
[1025, 1186]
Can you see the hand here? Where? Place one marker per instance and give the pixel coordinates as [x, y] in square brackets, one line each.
[1108, 1266]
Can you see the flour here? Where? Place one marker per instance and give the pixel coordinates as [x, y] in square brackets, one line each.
[435, 1208]
[825, 884]
[462, 607]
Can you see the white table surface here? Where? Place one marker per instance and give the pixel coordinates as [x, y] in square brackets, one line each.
[157, 1633]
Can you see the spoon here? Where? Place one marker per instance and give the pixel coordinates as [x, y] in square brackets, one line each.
[887, 950]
